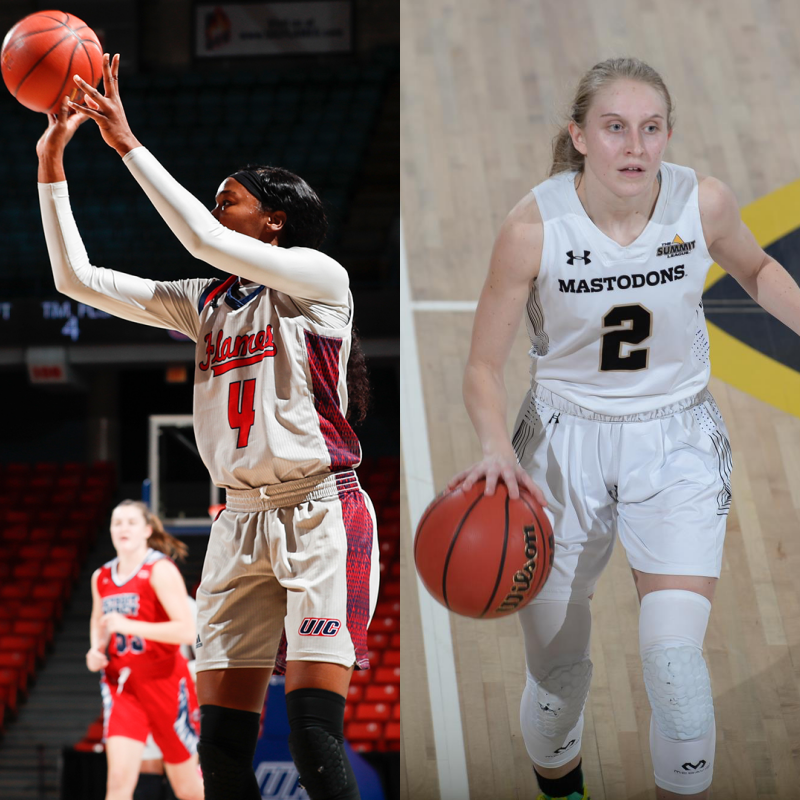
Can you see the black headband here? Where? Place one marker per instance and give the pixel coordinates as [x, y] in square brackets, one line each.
[250, 183]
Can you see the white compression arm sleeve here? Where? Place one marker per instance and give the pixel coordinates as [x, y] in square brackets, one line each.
[297, 271]
[161, 305]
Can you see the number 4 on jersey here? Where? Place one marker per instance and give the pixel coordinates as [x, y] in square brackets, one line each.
[242, 409]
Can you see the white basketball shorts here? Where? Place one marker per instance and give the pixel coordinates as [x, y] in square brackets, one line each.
[291, 574]
[660, 479]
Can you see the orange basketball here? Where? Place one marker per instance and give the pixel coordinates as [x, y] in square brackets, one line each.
[484, 556]
[42, 52]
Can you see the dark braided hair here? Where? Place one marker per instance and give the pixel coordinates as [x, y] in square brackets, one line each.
[306, 226]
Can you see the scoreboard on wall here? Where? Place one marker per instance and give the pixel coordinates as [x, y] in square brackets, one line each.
[60, 321]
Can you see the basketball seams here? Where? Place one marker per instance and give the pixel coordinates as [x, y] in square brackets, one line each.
[502, 561]
[33, 83]
[68, 74]
[35, 66]
[452, 547]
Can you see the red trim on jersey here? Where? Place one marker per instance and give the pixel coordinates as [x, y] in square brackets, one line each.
[323, 362]
[359, 530]
[222, 288]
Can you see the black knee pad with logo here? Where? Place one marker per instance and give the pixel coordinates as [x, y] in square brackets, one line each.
[316, 718]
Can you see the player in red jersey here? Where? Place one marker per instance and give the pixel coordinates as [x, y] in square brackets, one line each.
[141, 616]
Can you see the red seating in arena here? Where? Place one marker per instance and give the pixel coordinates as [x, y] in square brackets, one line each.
[49, 516]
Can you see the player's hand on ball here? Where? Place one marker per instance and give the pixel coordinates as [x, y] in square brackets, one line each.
[96, 660]
[106, 109]
[494, 468]
[61, 128]
[114, 622]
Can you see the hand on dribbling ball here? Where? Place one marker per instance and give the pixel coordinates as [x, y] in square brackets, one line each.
[106, 109]
[114, 622]
[494, 468]
[96, 660]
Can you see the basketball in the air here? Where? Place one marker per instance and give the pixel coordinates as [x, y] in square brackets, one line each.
[42, 52]
[484, 556]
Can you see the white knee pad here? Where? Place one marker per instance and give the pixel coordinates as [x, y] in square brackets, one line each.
[551, 714]
[672, 625]
[559, 674]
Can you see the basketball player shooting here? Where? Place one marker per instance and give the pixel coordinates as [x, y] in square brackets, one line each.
[297, 541]
[608, 258]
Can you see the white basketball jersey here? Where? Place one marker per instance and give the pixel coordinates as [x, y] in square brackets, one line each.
[620, 330]
[270, 385]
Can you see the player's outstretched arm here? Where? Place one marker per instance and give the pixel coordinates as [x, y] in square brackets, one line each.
[514, 264]
[298, 271]
[732, 245]
[126, 296]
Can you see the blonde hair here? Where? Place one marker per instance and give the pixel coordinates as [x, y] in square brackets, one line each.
[565, 157]
[159, 539]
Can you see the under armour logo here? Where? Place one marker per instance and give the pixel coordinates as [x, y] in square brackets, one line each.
[198, 643]
[565, 747]
[572, 258]
[689, 766]
[554, 417]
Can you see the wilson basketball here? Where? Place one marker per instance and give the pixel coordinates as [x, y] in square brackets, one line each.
[42, 52]
[484, 556]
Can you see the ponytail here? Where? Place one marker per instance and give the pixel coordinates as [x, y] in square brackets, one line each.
[159, 539]
[565, 157]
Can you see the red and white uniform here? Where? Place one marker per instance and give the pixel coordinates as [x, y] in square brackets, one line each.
[270, 405]
[147, 686]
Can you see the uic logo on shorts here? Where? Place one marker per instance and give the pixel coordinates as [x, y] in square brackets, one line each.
[319, 626]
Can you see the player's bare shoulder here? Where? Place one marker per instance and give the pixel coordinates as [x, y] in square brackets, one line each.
[519, 243]
[718, 207]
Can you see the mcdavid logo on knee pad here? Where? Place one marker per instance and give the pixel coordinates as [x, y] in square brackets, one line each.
[565, 747]
[319, 626]
[689, 767]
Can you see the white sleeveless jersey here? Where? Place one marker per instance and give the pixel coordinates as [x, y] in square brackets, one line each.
[620, 330]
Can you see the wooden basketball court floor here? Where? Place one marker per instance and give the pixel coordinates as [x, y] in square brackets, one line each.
[484, 85]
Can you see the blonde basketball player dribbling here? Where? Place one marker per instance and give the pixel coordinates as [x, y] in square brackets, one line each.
[608, 258]
[277, 373]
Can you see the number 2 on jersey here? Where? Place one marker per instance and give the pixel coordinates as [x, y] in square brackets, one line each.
[242, 409]
[632, 325]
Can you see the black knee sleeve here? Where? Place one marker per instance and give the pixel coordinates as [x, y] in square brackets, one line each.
[316, 718]
[227, 745]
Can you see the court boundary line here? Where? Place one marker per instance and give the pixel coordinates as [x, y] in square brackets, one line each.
[448, 732]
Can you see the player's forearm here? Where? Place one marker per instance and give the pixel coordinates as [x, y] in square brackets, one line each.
[485, 399]
[96, 637]
[297, 271]
[116, 293]
[774, 289]
[172, 632]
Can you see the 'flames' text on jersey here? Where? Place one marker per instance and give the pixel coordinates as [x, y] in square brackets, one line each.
[270, 391]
